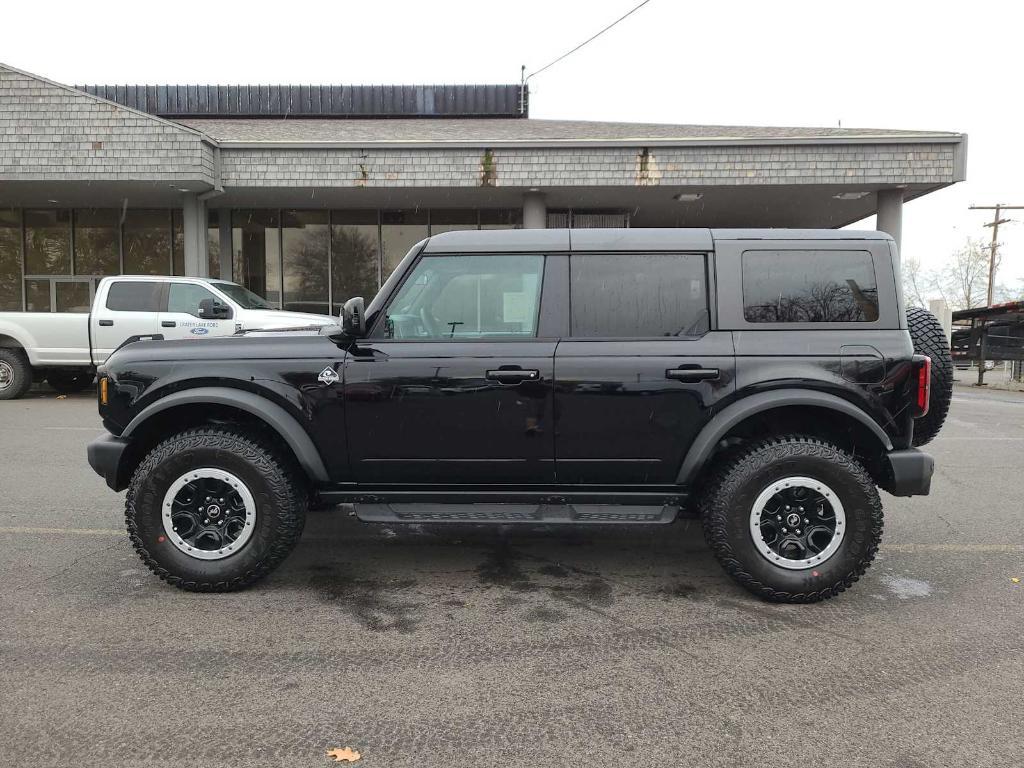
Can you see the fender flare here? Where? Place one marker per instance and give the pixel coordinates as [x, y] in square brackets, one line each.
[708, 438]
[276, 417]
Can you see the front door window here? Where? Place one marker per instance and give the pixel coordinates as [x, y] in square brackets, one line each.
[467, 297]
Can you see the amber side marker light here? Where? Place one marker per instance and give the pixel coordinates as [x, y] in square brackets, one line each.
[103, 390]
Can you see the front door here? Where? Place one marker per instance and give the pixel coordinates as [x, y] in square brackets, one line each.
[453, 385]
[641, 369]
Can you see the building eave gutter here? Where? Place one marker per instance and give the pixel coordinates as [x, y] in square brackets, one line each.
[937, 138]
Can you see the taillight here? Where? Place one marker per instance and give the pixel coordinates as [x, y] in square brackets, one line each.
[924, 384]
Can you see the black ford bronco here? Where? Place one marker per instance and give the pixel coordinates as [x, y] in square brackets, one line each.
[767, 380]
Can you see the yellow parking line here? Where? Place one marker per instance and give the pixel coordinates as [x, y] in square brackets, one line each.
[1003, 548]
[64, 531]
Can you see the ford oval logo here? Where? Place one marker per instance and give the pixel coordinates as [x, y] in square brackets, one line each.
[200, 331]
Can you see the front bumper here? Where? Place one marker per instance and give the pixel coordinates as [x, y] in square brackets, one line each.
[910, 472]
[105, 454]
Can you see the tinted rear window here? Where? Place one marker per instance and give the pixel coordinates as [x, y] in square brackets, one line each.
[134, 296]
[638, 295]
[809, 287]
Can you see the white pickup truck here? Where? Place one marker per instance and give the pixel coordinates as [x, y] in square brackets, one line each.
[65, 348]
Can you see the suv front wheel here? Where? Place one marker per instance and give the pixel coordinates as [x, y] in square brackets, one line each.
[793, 519]
[213, 509]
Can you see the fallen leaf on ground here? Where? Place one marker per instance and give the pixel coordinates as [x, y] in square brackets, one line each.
[1015, 580]
[62, 397]
[343, 754]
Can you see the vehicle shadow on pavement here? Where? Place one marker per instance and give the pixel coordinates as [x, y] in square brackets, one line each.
[393, 577]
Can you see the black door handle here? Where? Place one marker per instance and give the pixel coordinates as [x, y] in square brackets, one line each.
[513, 375]
[106, 323]
[691, 374]
[168, 324]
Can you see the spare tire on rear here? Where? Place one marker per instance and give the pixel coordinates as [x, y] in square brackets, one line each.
[930, 339]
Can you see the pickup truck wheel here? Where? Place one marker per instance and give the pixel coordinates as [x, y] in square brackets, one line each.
[70, 382]
[793, 519]
[15, 373]
[214, 509]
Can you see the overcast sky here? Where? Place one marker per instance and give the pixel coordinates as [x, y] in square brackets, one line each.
[919, 65]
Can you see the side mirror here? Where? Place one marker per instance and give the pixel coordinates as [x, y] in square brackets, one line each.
[353, 317]
[211, 309]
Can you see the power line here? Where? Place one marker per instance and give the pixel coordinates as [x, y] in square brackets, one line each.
[996, 221]
[585, 42]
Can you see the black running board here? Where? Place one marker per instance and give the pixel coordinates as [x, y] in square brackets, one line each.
[574, 514]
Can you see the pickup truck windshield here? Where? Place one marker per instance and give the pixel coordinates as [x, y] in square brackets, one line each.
[245, 298]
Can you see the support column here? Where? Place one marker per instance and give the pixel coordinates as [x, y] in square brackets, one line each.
[535, 211]
[224, 236]
[194, 221]
[890, 213]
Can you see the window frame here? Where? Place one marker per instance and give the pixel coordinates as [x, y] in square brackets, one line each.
[813, 323]
[543, 324]
[161, 295]
[729, 273]
[710, 294]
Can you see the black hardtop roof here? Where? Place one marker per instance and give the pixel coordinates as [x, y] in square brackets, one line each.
[640, 239]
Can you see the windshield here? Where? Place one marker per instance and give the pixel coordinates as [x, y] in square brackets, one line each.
[245, 298]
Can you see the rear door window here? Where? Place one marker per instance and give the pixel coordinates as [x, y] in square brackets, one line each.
[636, 295]
[134, 296]
[809, 286]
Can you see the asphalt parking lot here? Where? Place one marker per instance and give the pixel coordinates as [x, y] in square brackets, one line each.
[484, 647]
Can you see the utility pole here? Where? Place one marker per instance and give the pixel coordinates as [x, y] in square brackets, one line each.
[992, 253]
[996, 221]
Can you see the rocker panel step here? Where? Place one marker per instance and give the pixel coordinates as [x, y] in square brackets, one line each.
[575, 514]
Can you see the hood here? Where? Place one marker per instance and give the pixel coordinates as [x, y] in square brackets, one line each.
[267, 319]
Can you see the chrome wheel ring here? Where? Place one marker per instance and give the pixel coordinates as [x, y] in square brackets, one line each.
[6, 375]
[797, 523]
[208, 513]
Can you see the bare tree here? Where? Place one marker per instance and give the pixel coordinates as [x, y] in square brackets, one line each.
[916, 283]
[963, 281]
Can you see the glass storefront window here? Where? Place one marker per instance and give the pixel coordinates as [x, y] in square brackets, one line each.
[257, 253]
[147, 242]
[177, 242]
[305, 239]
[213, 242]
[355, 256]
[97, 251]
[72, 295]
[451, 221]
[10, 260]
[48, 242]
[508, 218]
[400, 231]
[37, 295]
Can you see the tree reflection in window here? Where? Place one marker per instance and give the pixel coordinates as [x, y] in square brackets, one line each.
[809, 287]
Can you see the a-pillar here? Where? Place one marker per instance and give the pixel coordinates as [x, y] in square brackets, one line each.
[535, 211]
[194, 221]
[890, 213]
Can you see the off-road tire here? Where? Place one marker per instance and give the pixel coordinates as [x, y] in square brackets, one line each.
[270, 477]
[727, 500]
[17, 362]
[70, 382]
[930, 339]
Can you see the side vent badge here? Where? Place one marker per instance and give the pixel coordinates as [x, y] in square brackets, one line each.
[328, 376]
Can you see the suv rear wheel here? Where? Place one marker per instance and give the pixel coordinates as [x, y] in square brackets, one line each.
[213, 509]
[793, 519]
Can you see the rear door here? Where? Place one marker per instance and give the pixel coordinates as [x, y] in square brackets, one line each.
[454, 384]
[641, 369]
[182, 318]
[129, 309]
